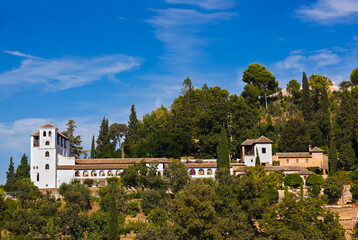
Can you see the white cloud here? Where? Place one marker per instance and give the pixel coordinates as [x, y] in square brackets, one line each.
[299, 60]
[64, 73]
[179, 30]
[19, 54]
[206, 4]
[330, 11]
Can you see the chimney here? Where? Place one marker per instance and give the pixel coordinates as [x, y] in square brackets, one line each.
[309, 148]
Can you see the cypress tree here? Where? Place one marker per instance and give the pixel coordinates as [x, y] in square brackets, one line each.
[93, 148]
[306, 99]
[223, 151]
[113, 227]
[325, 120]
[345, 136]
[332, 157]
[103, 138]
[257, 161]
[75, 141]
[10, 185]
[132, 126]
[23, 170]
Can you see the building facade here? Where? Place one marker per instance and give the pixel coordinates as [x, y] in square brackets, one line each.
[262, 147]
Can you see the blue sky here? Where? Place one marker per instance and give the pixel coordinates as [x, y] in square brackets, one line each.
[83, 60]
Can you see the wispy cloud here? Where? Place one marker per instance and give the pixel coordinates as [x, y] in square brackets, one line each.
[206, 4]
[179, 30]
[330, 11]
[64, 73]
[335, 63]
[19, 54]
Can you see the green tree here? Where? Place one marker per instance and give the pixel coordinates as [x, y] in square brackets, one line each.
[332, 158]
[10, 185]
[333, 188]
[261, 78]
[23, 170]
[132, 132]
[76, 194]
[93, 148]
[306, 99]
[315, 181]
[104, 146]
[117, 131]
[257, 161]
[223, 151]
[345, 132]
[294, 136]
[158, 217]
[113, 225]
[354, 76]
[75, 141]
[293, 180]
[177, 176]
[294, 88]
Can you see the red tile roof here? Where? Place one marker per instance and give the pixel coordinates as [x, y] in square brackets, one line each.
[47, 125]
[262, 139]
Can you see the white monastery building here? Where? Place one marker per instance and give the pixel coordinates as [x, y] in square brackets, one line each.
[52, 163]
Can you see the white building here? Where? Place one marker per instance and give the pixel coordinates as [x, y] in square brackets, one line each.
[251, 147]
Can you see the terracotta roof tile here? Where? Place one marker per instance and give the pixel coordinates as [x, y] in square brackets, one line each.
[316, 149]
[100, 161]
[294, 155]
[298, 169]
[263, 139]
[248, 142]
[61, 134]
[47, 125]
[36, 134]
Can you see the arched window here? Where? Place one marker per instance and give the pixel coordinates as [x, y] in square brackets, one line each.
[201, 172]
[47, 154]
[47, 143]
[94, 173]
[109, 173]
[47, 166]
[209, 172]
[49, 133]
[77, 173]
[44, 133]
[118, 173]
[85, 173]
[192, 172]
[102, 174]
[38, 177]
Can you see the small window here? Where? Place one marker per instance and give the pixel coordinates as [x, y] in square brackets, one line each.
[47, 154]
[252, 160]
[306, 160]
[47, 143]
[85, 174]
[296, 160]
[33, 167]
[109, 173]
[192, 172]
[102, 174]
[209, 172]
[77, 173]
[49, 133]
[47, 166]
[38, 177]
[287, 160]
[201, 172]
[118, 173]
[94, 174]
[44, 133]
[37, 167]
[263, 150]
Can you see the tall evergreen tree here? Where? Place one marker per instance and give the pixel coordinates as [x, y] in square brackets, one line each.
[354, 76]
[325, 118]
[257, 161]
[75, 141]
[93, 148]
[306, 99]
[223, 151]
[23, 170]
[113, 225]
[103, 139]
[332, 157]
[345, 135]
[10, 185]
[132, 132]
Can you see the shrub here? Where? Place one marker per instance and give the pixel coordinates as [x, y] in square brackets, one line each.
[333, 189]
[271, 195]
[152, 199]
[316, 170]
[314, 179]
[275, 163]
[354, 191]
[293, 180]
[133, 208]
[158, 217]
[89, 182]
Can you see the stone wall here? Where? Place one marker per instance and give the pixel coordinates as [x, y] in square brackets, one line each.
[346, 195]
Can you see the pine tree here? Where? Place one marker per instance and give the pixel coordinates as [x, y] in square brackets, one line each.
[223, 151]
[23, 170]
[10, 186]
[332, 157]
[325, 119]
[132, 133]
[103, 139]
[257, 161]
[75, 141]
[345, 136]
[306, 99]
[93, 148]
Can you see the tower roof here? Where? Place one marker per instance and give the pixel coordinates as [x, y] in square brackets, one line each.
[316, 149]
[262, 139]
[47, 125]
